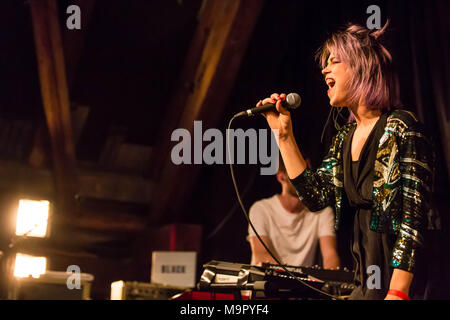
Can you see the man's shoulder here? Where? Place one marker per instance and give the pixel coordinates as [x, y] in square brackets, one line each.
[266, 201]
[264, 204]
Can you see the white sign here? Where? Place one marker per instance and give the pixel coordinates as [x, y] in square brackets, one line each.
[174, 268]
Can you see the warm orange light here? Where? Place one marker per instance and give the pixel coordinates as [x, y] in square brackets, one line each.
[26, 265]
[32, 217]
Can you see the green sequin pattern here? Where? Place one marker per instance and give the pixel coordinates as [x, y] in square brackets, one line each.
[403, 179]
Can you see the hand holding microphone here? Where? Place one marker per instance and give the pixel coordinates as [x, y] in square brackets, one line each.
[276, 111]
[289, 102]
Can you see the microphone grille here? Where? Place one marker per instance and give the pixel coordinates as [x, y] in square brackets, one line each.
[293, 100]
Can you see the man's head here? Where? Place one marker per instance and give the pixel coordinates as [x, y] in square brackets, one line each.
[283, 178]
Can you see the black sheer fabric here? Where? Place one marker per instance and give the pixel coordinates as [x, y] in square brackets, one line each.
[371, 250]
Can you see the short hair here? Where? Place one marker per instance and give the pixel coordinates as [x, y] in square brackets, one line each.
[373, 77]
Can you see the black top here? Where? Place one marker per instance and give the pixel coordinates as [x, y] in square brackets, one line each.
[371, 250]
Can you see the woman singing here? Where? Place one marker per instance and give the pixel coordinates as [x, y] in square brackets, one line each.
[379, 167]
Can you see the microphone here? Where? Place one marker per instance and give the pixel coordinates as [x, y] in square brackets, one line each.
[291, 102]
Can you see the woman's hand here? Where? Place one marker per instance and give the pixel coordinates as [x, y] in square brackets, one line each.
[392, 297]
[280, 120]
[400, 282]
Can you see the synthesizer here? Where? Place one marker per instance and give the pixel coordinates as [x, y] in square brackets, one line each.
[272, 281]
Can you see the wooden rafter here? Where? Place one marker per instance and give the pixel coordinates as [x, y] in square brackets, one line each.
[55, 96]
[106, 186]
[73, 42]
[211, 65]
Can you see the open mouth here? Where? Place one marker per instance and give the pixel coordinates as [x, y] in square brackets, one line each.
[330, 83]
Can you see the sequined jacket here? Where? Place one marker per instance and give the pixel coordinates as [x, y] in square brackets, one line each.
[402, 183]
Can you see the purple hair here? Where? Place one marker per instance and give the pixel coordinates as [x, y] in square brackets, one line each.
[373, 79]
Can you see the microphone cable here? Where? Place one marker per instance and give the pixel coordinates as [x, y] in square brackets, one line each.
[334, 297]
[232, 210]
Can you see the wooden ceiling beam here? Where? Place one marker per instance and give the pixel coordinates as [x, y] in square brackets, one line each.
[108, 202]
[73, 43]
[107, 221]
[55, 96]
[102, 186]
[184, 86]
[212, 63]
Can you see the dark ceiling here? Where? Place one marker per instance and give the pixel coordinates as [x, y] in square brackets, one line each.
[132, 57]
[126, 70]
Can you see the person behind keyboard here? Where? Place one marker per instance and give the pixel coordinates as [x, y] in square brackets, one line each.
[290, 230]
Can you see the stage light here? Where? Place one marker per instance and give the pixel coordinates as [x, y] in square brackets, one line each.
[32, 217]
[26, 265]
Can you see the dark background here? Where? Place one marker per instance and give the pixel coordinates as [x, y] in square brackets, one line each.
[133, 54]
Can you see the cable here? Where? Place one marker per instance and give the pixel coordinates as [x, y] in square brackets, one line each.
[326, 123]
[254, 230]
[335, 113]
[232, 210]
[338, 115]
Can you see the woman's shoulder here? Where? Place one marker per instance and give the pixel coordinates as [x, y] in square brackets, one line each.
[405, 123]
[403, 118]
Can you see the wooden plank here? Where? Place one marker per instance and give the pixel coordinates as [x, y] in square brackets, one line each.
[108, 202]
[222, 34]
[107, 221]
[185, 84]
[24, 179]
[73, 43]
[55, 96]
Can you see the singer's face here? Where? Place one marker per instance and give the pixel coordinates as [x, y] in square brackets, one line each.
[337, 74]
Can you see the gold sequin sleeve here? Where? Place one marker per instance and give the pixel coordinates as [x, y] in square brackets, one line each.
[316, 188]
[416, 159]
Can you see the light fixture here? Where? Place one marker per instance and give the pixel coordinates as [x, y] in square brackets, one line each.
[26, 265]
[32, 217]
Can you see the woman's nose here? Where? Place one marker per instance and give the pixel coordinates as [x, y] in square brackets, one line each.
[325, 70]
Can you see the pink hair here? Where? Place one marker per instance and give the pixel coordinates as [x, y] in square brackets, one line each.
[373, 79]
